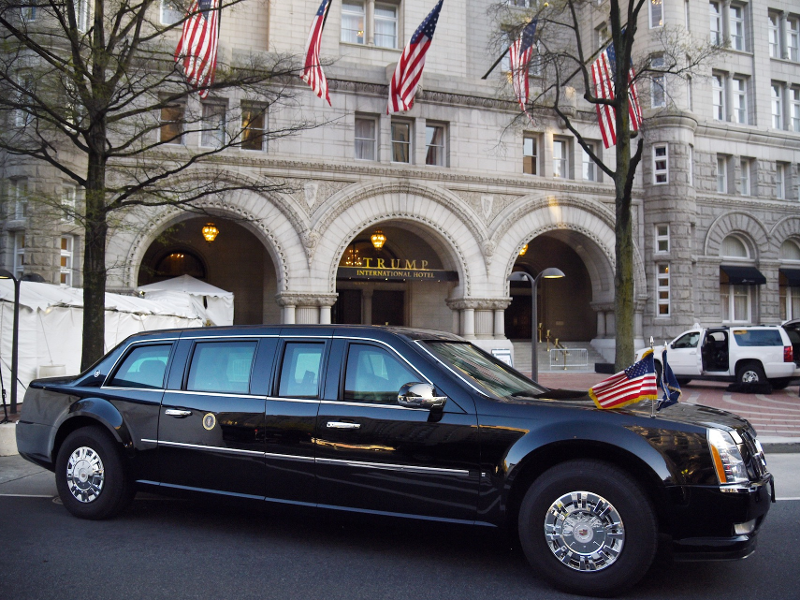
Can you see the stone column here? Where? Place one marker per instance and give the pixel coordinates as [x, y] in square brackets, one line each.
[366, 307]
[481, 318]
[306, 308]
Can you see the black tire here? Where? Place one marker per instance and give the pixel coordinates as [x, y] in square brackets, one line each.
[91, 477]
[682, 382]
[781, 383]
[750, 373]
[628, 502]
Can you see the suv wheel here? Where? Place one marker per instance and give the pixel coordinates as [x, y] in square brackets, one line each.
[91, 476]
[588, 528]
[749, 373]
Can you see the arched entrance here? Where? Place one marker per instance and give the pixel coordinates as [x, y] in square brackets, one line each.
[391, 274]
[235, 261]
[564, 305]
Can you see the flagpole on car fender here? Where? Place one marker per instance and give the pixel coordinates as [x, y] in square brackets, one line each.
[653, 402]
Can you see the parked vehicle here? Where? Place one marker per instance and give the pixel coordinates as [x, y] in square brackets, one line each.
[792, 328]
[406, 423]
[745, 355]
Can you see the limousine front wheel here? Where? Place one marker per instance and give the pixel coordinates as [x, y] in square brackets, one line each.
[588, 528]
[91, 477]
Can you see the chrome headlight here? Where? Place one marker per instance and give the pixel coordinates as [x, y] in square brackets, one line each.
[726, 457]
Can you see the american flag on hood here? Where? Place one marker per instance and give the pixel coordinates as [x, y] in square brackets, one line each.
[312, 71]
[197, 48]
[603, 79]
[634, 384]
[409, 68]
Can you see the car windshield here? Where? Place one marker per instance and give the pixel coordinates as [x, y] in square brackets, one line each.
[485, 371]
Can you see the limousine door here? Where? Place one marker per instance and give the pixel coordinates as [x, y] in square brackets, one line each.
[374, 454]
[211, 428]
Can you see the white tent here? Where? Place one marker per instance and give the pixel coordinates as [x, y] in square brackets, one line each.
[51, 323]
[215, 305]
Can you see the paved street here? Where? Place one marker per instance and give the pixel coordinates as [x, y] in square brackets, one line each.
[174, 549]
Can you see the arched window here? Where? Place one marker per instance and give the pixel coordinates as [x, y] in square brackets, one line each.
[736, 283]
[734, 247]
[790, 280]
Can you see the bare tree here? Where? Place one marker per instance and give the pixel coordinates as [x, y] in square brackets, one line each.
[91, 88]
[567, 47]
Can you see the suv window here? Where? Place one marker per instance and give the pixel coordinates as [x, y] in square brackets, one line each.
[374, 375]
[221, 367]
[144, 367]
[300, 370]
[688, 340]
[757, 337]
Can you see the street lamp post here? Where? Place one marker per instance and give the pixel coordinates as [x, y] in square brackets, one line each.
[14, 339]
[549, 273]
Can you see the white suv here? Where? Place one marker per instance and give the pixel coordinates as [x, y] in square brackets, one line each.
[745, 355]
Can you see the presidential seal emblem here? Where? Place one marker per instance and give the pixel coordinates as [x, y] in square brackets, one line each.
[209, 421]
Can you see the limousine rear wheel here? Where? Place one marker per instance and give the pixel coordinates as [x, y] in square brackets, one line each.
[91, 476]
[588, 528]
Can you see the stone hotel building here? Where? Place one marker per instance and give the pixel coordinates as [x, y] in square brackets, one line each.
[461, 192]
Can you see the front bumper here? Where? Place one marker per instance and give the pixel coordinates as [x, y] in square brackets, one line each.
[722, 522]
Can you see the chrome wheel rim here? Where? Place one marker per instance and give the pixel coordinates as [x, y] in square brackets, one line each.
[749, 377]
[584, 531]
[85, 474]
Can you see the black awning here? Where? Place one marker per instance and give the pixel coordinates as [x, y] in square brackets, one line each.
[743, 275]
[792, 276]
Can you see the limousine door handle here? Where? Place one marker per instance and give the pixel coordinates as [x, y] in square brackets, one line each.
[176, 412]
[343, 425]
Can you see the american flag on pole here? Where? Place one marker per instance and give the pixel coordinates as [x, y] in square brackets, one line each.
[312, 72]
[603, 79]
[197, 48]
[409, 68]
[634, 384]
[519, 58]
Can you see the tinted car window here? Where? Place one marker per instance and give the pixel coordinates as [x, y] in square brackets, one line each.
[757, 337]
[374, 375]
[143, 367]
[688, 340]
[221, 367]
[300, 370]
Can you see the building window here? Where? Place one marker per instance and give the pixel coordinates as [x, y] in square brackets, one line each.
[385, 26]
[793, 38]
[436, 145]
[774, 35]
[68, 204]
[82, 14]
[401, 141]
[171, 12]
[254, 128]
[601, 35]
[739, 100]
[28, 11]
[776, 100]
[530, 155]
[656, 13]
[745, 165]
[736, 18]
[366, 138]
[172, 117]
[18, 197]
[789, 295]
[691, 165]
[660, 164]
[718, 97]
[795, 108]
[588, 167]
[658, 86]
[716, 23]
[735, 300]
[214, 132]
[722, 174]
[662, 289]
[560, 158]
[67, 243]
[381, 30]
[662, 238]
[19, 254]
[780, 181]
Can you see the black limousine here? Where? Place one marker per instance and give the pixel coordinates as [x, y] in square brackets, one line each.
[401, 422]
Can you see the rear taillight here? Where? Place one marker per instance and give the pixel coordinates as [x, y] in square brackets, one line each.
[788, 354]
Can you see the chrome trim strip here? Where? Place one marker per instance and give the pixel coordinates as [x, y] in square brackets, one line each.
[394, 467]
[300, 400]
[292, 457]
[363, 404]
[212, 448]
[138, 389]
[222, 394]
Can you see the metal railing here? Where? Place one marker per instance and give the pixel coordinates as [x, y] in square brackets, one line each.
[568, 358]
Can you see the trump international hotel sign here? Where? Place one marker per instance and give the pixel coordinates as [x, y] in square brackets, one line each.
[394, 269]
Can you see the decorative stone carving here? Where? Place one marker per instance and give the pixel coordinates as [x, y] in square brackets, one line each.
[486, 205]
[310, 190]
[305, 299]
[478, 303]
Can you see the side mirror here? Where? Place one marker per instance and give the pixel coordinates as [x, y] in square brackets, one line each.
[420, 395]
